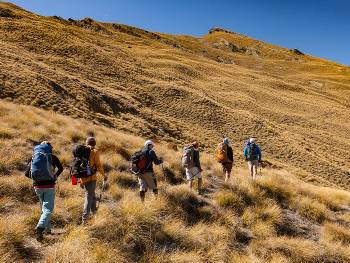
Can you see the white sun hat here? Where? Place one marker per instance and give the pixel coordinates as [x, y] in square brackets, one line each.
[149, 142]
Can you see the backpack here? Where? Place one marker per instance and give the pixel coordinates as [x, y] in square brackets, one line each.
[187, 157]
[251, 152]
[138, 162]
[80, 166]
[221, 153]
[41, 165]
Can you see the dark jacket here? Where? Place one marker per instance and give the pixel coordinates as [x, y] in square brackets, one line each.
[229, 154]
[56, 165]
[151, 158]
[196, 161]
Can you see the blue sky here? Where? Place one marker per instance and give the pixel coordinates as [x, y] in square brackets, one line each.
[320, 28]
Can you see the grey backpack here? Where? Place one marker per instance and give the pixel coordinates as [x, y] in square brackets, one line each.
[187, 157]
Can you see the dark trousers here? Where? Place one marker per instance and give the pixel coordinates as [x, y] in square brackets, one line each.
[90, 199]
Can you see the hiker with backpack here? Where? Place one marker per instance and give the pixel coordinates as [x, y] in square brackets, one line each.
[252, 154]
[192, 165]
[41, 169]
[142, 166]
[224, 155]
[85, 166]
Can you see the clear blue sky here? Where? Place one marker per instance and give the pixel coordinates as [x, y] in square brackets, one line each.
[320, 28]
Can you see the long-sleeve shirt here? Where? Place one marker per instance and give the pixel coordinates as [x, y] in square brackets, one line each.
[229, 154]
[46, 184]
[95, 164]
[256, 152]
[196, 160]
[151, 158]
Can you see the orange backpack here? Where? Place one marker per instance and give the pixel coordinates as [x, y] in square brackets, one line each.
[221, 153]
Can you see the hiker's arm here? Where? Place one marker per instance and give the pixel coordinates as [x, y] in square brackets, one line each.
[199, 163]
[259, 152]
[56, 162]
[99, 166]
[245, 151]
[27, 172]
[155, 159]
[230, 154]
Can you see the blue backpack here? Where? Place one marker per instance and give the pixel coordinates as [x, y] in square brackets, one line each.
[41, 166]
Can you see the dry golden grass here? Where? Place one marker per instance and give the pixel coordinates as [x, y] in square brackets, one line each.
[154, 85]
[277, 218]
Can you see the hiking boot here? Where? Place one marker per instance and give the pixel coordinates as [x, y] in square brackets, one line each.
[142, 196]
[39, 234]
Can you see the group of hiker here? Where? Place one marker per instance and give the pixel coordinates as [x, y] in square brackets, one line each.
[44, 168]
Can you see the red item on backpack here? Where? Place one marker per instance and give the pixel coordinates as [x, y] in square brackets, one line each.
[74, 180]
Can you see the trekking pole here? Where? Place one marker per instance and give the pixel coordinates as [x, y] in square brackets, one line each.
[102, 190]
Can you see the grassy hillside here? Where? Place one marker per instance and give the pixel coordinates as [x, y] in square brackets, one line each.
[176, 88]
[277, 219]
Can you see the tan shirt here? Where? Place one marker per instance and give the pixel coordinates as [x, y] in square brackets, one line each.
[94, 162]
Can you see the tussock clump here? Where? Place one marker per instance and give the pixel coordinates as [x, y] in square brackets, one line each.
[231, 200]
[123, 179]
[336, 233]
[12, 243]
[185, 203]
[6, 133]
[277, 188]
[312, 210]
[22, 189]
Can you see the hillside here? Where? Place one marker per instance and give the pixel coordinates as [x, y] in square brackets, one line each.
[177, 88]
[277, 219]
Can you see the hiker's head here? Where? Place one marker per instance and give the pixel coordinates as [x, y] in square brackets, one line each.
[91, 141]
[195, 144]
[149, 144]
[226, 141]
[47, 143]
[252, 140]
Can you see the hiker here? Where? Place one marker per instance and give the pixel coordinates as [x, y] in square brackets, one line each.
[193, 169]
[225, 157]
[252, 155]
[88, 183]
[41, 169]
[146, 177]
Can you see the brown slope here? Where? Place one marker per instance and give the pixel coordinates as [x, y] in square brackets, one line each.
[180, 87]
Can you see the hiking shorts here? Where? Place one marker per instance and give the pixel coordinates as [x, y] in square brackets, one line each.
[147, 181]
[193, 172]
[227, 167]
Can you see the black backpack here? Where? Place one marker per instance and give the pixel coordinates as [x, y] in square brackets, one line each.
[138, 162]
[80, 165]
[251, 152]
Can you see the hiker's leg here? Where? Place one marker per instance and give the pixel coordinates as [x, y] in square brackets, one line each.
[227, 176]
[250, 165]
[40, 194]
[155, 192]
[142, 196]
[190, 183]
[48, 202]
[93, 197]
[200, 183]
[227, 169]
[88, 201]
[255, 168]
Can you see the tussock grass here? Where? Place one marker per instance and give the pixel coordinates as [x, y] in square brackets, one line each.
[237, 221]
[336, 233]
[12, 243]
[312, 210]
